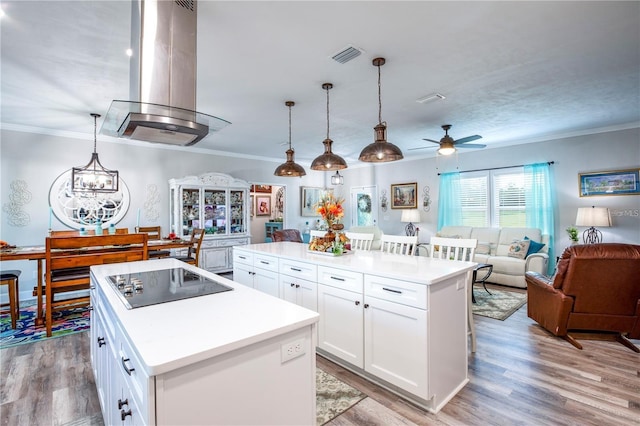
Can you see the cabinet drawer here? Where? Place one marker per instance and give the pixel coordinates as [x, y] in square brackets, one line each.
[270, 263]
[339, 278]
[305, 271]
[404, 292]
[135, 379]
[244, 257]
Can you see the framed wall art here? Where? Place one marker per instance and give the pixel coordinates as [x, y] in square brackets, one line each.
[309, 197]
[619, 182]
[404, 195]
[263, 206]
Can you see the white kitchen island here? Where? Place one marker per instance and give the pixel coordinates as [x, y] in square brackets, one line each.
[400, 321]
[236, 357]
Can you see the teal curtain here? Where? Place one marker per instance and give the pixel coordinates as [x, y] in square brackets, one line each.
[449, 202]
[539, 203]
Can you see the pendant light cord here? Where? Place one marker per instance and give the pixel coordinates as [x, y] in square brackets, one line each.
[289, 126]
[95, 134]
[327, 112]
[379, 98]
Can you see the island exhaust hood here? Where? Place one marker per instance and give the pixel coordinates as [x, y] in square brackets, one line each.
[163, 78]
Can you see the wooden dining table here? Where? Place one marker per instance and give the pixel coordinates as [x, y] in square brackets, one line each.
[38, 254]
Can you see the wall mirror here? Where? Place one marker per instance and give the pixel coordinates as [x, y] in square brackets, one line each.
[83, 210]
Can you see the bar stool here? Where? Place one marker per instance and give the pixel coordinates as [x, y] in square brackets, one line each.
[10, 278]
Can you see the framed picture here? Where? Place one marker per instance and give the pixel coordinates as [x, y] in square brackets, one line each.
[265, 189]
[263, 206]
[309, 197]
[620, 182]
[404, 196]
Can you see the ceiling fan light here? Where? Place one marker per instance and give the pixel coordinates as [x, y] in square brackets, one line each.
[328, 161]
[446, 148]
[380, 151]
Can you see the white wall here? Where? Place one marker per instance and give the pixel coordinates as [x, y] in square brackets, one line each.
[39, 159]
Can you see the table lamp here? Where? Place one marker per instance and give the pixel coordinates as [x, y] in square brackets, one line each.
[410, 215]
[592, 217]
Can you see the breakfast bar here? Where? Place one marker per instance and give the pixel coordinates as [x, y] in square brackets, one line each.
[399, 321]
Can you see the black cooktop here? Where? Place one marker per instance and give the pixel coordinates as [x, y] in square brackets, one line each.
[166, 285]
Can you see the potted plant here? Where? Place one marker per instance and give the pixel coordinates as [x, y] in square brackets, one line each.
[573, 234]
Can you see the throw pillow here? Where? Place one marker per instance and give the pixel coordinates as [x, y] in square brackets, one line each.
[483, 247]
[518, 249]
[534, 246]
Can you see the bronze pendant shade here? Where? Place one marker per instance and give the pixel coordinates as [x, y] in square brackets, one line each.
[328, 161]
[94, 177]
[380, 151]
[289, 168]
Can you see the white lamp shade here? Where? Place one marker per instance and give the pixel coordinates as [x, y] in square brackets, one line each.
[593, 216]
[410, 215]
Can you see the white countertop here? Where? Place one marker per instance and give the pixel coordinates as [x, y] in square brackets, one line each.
[171, 335]
[418, 269]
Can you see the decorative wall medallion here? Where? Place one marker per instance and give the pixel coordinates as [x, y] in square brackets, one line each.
[19, 197]
[82, 210]
[151, 212]
[426, 199]
[383, 200]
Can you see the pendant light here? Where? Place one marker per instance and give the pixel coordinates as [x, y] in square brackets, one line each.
[93, 177]
[337, 179]
[289, 168]
[328, 160]
[380, 151]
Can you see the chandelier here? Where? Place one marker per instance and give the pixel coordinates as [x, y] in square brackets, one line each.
[94, 177]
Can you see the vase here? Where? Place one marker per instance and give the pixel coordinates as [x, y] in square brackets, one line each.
[337, 226]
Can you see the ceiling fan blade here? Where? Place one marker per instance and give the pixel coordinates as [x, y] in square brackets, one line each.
[431, 140]
[422, 147]
[472, 145]
[467, 139]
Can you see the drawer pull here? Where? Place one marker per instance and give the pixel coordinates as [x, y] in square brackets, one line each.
[392, 290]
[265, 262]
[124, 365]
[296, 269]
[124, 414]
[297, 285]
[101, 342]
[293, 285]
[122, 403]
[242, 257]
[337, 278]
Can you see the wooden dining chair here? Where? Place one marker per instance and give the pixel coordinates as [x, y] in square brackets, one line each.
[193, 252]
[359, 240]
[462, 249]
[76, 233]
[68, 260]
[154, 233]
[398, 244]
[11, 278]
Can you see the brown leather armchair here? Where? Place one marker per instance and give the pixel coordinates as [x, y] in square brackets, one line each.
[596, 288]
[287, 235]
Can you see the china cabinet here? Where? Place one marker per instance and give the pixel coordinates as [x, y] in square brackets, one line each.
[218, 203]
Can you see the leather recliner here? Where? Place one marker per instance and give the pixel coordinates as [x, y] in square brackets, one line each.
[596, 288]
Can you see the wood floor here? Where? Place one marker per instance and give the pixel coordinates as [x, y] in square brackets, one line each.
[520, 375]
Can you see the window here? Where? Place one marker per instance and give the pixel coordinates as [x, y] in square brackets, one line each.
[493, 198]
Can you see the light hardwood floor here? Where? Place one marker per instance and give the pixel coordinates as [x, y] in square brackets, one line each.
[520, 375]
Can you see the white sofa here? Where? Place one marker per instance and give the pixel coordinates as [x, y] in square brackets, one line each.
[493, 248]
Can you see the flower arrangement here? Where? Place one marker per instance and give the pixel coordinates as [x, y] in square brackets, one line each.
[573, 233]
[330, 208]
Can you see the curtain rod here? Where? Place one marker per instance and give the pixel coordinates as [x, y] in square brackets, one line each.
[498, 168]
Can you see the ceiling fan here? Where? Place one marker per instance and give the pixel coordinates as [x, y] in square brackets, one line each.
[448, 145]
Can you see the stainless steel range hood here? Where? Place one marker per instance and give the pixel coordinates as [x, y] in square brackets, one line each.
[163, 78]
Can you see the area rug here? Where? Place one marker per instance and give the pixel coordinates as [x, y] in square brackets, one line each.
[500, 304]
[333, 397]
[75, 321]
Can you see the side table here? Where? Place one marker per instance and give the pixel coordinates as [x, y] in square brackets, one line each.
[487, 269]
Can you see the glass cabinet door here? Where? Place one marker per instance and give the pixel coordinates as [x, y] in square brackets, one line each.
[190, 210]
[215, 209]
[237, 212]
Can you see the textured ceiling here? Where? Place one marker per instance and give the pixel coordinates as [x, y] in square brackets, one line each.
[513, 72]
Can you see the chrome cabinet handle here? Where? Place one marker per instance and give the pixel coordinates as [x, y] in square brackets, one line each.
[124, 365]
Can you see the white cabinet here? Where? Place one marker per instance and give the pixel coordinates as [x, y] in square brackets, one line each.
[298, 283]
[256, 271]
[218, 203]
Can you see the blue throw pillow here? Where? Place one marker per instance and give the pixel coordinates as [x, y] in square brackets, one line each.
[534, 246]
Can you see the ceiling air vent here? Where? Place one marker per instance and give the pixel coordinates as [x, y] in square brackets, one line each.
[346, 54]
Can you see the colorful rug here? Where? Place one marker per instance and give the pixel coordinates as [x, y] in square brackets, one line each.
[333, 397]
[500, 304]
[75, 321]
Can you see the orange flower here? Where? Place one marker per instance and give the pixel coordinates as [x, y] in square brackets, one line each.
[330, 208]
